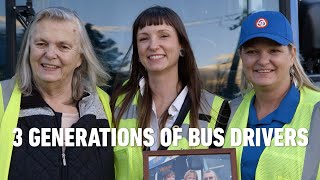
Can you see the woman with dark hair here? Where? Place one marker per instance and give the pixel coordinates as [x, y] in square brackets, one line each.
[169, 175]
[163, 88]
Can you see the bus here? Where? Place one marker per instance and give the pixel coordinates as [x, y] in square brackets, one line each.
[213, 27]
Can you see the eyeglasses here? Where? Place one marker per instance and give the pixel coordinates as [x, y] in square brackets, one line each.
[208, 178]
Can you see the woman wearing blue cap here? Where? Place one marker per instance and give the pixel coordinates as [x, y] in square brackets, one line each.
[278, 94]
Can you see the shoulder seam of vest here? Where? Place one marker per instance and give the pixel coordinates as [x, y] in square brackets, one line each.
[7, 89]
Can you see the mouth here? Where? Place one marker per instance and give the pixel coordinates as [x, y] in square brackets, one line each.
[49, 66]
[263, 70]
[156, 57]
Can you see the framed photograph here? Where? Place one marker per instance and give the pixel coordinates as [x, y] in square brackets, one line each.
[199, 164]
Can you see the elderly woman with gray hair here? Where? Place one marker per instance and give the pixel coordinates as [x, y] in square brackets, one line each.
[55, 86]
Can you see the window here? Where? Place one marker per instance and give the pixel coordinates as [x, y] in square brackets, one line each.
[212, 26]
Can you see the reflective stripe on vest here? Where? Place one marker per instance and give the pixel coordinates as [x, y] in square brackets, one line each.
[6, 89]
[129, 161]
[290, 160]
[104, 98]
[8, 123]
[312, 157]
[208, 106]
[205, 106]
[238, 119]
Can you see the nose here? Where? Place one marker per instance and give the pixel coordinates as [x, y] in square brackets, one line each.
[154, 44]
[51, 52]
[264, 58]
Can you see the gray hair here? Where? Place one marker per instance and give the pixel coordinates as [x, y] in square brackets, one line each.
[299, 76]
[85, 78]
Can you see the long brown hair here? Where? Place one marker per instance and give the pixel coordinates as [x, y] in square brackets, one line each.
[187, 70]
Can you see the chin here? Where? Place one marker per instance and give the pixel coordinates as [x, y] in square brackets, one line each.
[48, 79]
[155, 70]
[263, 83]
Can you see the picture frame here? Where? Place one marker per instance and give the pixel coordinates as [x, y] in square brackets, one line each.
[203, 163]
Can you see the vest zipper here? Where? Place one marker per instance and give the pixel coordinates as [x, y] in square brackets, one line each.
[63, 154]
[64, 161]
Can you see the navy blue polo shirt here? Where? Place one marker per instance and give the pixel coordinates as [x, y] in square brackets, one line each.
[279, 117]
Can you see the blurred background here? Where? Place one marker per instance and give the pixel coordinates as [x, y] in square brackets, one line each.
[213, 27]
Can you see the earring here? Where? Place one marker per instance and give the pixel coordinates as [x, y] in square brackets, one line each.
[181, 52]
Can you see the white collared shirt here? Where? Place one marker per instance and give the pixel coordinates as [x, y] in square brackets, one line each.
[173, 112]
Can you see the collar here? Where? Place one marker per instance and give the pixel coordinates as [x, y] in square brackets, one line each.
[35, 100]
[284, 113]
[177, 103]
[142, 83]
[175, 106]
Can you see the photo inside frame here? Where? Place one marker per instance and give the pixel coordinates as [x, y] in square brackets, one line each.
[162, 167]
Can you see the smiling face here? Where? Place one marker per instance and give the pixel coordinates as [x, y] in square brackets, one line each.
[171, 176]
[158, 48]
[209, 176]
[54, 52]
[267, 63]
[191, 176]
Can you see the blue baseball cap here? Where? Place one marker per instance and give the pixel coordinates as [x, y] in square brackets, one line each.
[267, 24]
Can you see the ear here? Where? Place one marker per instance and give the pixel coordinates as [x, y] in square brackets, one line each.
[80, 62]
[239, 53]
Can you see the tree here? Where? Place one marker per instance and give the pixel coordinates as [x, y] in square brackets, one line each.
[108, 54]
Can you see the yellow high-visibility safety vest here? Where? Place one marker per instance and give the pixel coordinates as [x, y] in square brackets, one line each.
[10, 99]
[281, 163]
[129, 160]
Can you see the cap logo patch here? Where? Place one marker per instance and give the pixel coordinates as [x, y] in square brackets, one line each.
[261, 23]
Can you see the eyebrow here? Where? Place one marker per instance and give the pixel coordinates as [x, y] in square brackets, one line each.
[165, 30]
[35, 38]
[159, 31]
[142, 33]
[59, 42]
